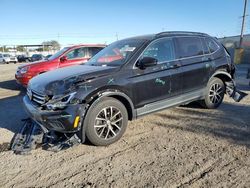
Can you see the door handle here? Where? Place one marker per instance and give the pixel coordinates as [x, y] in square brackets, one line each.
[207, 59]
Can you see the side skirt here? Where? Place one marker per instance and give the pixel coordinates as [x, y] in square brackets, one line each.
[174, 101]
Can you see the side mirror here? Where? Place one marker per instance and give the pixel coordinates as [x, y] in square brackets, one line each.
[147, 62]
[63, 59]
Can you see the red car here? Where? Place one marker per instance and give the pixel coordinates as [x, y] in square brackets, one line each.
[66, 57]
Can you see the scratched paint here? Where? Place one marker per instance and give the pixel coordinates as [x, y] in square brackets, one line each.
[207, 65]
[160, 81]
[164, 67]
[111, 80]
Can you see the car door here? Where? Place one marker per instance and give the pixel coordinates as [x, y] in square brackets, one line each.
[160, 81]
[196, 65]
[74, 57]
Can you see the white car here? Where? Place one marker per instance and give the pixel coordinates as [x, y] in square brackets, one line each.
[6, 58]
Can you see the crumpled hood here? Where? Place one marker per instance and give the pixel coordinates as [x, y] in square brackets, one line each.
[61, 80]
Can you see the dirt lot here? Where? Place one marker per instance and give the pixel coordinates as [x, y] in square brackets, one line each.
[180, 147]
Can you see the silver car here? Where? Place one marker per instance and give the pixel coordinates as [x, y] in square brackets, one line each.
[6, 58]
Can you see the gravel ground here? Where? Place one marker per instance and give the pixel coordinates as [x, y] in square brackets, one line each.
[179, 147]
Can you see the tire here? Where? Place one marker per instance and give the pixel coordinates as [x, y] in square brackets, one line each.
[105, 121]
[214, 94]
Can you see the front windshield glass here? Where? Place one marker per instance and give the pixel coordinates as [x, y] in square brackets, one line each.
[59, 53]
[116, 54]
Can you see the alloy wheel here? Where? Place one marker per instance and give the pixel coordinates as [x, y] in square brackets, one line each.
[215, 93]
[108, 123]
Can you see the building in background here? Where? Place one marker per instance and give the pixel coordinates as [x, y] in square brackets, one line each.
[231, 43]
[243, 67]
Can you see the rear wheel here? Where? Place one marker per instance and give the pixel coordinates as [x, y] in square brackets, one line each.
[214, 94]
[106, 122]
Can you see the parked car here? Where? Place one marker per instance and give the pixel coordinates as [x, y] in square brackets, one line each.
[128, 79]
[23, 58]
[1, 59]
[37, 57]
[68, 56]
[6, 58]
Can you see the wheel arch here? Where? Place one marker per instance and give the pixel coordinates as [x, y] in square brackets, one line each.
[120, 96]
[224, 76]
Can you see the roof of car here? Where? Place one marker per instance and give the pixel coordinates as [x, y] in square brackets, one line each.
[87, 45]
[169, 33]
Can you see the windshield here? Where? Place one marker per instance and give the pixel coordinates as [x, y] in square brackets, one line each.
[59, 53]
[6, 55]
[116, 54]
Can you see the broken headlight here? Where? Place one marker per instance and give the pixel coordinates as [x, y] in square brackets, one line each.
[60, 102]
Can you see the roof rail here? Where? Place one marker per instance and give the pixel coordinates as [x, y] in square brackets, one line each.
[179, 33]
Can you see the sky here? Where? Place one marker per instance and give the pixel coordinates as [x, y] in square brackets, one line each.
[105, 21]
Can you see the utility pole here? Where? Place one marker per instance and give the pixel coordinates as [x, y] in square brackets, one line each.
[116, 34]
[243, 24]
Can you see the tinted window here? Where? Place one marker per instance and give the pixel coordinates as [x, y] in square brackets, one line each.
[189, 46]
[162, 50]
[93, 51]
[76, 53]
[212, 45]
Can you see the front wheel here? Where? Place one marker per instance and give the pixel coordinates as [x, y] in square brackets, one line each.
[106, 121]
[214, 94]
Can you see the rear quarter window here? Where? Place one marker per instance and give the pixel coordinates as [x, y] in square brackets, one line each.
[189, 46]
[212, 45]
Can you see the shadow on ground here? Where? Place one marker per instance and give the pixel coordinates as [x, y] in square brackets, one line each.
[11, 108]
[229, 121]
[11, 85]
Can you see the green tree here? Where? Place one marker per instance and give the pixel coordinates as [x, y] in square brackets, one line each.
[20, 49]
[51, 45]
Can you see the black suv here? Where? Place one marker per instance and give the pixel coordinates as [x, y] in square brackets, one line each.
[128, 79]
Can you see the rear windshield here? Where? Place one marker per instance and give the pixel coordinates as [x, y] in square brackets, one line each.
[36, 55]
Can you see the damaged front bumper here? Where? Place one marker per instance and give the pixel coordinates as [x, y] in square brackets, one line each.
[59, 120]
[233, 92]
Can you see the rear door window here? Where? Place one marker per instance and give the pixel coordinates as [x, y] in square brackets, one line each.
[162, 50]
[189, 47]
[212, 45]
[77, 53]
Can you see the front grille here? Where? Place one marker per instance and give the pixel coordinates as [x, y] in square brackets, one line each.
[36, 96]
